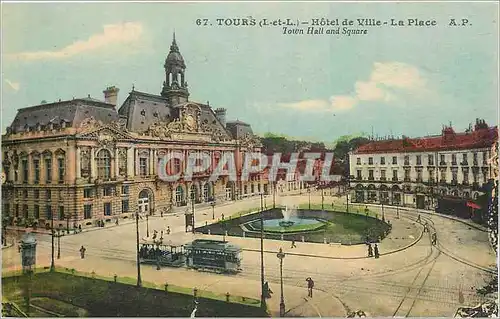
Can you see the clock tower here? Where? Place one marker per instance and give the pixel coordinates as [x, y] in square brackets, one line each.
[175, 87]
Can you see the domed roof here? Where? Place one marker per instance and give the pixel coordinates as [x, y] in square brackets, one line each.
[174, 57]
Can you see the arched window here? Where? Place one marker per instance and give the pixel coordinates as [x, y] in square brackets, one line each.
[103, 164]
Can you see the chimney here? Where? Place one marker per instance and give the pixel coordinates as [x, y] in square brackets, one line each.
[220, 113]
[111, 95]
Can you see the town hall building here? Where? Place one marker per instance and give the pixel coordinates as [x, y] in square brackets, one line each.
[85, 160]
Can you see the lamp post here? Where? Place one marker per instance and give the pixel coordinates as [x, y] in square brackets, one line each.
[52, 264]
[383, 217]
[58, 244]
[213, 209]
[147, 225]
[139, 281]
[281, 256]
[192, 209]
[263, 292]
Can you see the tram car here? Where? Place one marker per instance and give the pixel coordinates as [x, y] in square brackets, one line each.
[162, 255]
[213, 255]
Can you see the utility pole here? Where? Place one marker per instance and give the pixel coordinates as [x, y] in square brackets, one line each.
[139, 281]
[263, 293]
[58, 244]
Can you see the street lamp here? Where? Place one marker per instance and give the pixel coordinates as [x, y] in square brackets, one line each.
[192, 209]
[281, 256]
[139, 281]
[58, 244]
[213, 209]
[262, 286]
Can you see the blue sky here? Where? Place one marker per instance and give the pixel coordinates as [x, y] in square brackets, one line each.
[406, 80]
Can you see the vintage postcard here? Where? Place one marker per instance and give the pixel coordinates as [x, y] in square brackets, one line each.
[249, 159]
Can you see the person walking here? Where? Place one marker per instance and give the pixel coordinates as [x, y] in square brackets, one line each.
[418, 219]
[82, 252]
[375, 250]
[434, 239]
[168, 230]
[293, 244]
[310, 286]
[370, 250]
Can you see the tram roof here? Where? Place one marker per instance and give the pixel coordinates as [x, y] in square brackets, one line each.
[209, 244]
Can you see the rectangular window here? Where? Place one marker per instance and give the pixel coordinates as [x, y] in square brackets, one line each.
[359, 174]
[431, 176]
[430, 160]
[36, 211]
[258, 188]
[395, 175]
[419, 176]
[442, 159]
[24, 165]
[464, 158]
[407, 175]
[61, 170]
[407, 160]
[466, 175]
[125, 190]
[25, 211]
[453, 159]
[48, 211]
[382, 175]
[25, 193]
[252, 187]
[87, 211]
[48, 170]
[36, 194]
[485, 158]
[358, 160]
[6, 208]
[143, 166]
[61, 213]
[394, 160]
[474, 158]
[107, 209]
[48, 194]
[370, 160]
[443, 176]
[87, 192]
[108, 191]
[382, 160]
[454, 176]
[370, 174]
[419, 159]
[36, 167]
[246, 189]
[125, 206]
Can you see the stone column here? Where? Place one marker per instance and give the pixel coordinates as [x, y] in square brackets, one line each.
[71, 166]
[116, 163]
[78, 163]
[55, 170]
[136, 162]
[151, 161]
[93, 169]
[31, 172]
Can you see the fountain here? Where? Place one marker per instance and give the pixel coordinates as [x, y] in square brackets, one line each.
[286, 222]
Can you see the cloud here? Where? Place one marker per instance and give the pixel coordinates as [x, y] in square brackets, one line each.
[13, 85]
[112, 34]
[386, 82]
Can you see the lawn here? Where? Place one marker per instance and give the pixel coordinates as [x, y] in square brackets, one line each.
[77, 295]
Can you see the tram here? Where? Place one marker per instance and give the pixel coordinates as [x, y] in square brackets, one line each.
[162, 255]
[213, 255]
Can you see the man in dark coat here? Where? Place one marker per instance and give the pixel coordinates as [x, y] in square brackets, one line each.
[82, 252]
[310, 286]
[370, 250]
[375, 250]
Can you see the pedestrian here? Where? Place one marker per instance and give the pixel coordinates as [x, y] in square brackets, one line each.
[80, 228]
[161, 213]
[82, 252]
[370, 250]
[425, 227]
[267, 290]
[310, 286]
[375, 250]
[168, 230]
[293, 244]
[116, 222]
[222, 216]
[418, 218]
[433, 239]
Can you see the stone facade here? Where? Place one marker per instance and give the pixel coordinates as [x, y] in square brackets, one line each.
[413, 172]
[82, 161]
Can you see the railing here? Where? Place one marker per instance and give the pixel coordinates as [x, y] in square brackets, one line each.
[383, 178]
[407, 179]
[395, 179]
[454, 163]
[464, 163]
[371, 178]
[442, 163]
